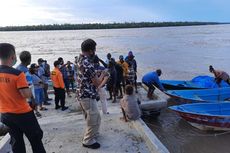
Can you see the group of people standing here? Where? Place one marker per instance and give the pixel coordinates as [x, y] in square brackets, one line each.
[89, 74]
[37, 76]
[122, 72]
[15, 111]
[23, 91]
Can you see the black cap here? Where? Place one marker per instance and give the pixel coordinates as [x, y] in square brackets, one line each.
[40, 60]
[56, 63]
[33, 66]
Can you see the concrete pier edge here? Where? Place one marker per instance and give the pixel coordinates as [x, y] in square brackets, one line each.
[153, 143]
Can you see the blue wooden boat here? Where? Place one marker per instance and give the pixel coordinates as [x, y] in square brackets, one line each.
[200, 95]
[179, 85]
[199, 82]
[205, 116]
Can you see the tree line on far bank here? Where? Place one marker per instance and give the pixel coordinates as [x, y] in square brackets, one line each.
[102, 26]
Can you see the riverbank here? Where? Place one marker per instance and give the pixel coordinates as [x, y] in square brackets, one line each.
[103, 26]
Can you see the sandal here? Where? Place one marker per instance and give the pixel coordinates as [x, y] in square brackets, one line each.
[38, 114]
[43, 109]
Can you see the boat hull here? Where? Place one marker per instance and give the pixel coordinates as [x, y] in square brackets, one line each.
[201, 95]
[204, 122]
[205, 116]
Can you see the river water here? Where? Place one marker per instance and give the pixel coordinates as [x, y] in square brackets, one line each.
[181, 53]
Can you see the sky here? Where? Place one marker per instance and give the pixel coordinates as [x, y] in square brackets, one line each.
[35, 12]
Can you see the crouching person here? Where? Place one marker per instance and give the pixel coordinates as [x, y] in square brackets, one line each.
[129, 105]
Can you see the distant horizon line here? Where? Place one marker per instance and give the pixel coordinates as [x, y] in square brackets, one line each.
[114, 25]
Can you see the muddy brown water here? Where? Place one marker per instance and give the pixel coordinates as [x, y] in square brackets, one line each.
[180, 137]
[181, 53]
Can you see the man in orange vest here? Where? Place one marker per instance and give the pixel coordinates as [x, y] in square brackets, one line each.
[16, 112]
[59, 86]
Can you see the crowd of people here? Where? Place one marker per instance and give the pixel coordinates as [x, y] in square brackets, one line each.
[24, 90]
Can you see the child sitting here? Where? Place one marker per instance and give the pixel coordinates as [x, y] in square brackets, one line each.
[129, 105]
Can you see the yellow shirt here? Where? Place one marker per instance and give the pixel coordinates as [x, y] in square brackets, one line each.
[124, 66]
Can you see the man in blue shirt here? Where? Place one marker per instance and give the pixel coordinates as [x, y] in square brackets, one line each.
[25, 58]
[151, 79]
[44, 77]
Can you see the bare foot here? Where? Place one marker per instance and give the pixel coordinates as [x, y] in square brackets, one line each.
[123, 119]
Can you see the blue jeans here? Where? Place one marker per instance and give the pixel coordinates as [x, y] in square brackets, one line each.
[39, 96]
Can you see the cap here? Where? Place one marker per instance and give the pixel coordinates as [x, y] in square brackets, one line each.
[56, 63]
[130, 53]
[121, 57]
[40, 60]
[33, 66]
[60, 59]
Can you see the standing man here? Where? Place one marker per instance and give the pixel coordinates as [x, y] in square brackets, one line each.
[87, 95]
[125, 68]
[132, 69]
[25, 58]
[64, 72]
[59, 87]
[46, 67]
[151, 79]
[109, 56]
[44, 77]
[16, 112]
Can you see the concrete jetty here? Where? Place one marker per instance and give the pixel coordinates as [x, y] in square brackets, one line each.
[63, 132]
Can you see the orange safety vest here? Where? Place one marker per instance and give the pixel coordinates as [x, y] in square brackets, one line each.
[11, 100]
[57, 79]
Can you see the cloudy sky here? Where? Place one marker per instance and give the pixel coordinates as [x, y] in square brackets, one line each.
[33, 12]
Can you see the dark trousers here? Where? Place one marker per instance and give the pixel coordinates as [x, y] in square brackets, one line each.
[119, 89]
[151, 87]
[218, 81]
[59, 96]
[27, 124]
[45, 92]
[132, 81]
[123, 83]
[67, 82]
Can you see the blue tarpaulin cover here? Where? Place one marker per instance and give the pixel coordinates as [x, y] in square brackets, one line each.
[208, 82]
